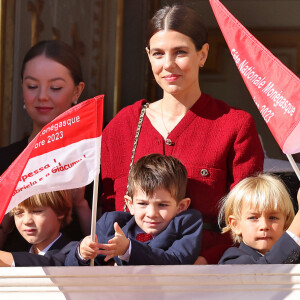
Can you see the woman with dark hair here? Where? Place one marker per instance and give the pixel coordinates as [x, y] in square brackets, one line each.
[218, 144]
[52, 82]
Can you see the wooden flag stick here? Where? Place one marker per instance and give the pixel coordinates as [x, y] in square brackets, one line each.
[294, 165]
[94, 211]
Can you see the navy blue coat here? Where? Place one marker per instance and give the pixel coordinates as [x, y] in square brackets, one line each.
[284, 251]
[55, 256]
[179, 243]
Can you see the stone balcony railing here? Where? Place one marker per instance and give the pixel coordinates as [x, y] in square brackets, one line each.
[152, 282]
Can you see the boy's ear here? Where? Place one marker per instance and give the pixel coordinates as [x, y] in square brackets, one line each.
[129, 203]
[60, 217]
[234, 225]
[183, 205]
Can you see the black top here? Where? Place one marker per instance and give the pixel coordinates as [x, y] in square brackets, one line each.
[9, 153]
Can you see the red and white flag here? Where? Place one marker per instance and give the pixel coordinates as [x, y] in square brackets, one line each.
[64, 155]
[273, 87]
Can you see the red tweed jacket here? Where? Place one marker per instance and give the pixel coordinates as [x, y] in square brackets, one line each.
[218, 145]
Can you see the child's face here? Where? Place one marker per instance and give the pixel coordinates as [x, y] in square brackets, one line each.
[153, 214]
[38, 226]
[259, 230]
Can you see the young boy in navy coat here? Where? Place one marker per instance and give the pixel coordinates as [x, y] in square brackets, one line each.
[260, 216]
[39, 220]
[158, 210]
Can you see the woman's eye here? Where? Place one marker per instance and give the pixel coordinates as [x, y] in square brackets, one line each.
[31, 87]
[181, 52]
[157, 54]
[54, 88]
[252, 218]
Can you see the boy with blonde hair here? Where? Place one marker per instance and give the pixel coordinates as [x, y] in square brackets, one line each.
[39, 220]
[259, 214]
[159, 229]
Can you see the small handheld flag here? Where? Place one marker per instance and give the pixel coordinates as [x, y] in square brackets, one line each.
[64, 155]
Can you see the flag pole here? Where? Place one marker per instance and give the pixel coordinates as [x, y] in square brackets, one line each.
[94, 211]
[294, 165]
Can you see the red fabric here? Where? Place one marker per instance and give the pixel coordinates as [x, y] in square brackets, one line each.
[143, 237]
[212, 136]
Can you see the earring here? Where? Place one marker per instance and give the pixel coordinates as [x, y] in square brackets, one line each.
[75, 102]
[24, 106]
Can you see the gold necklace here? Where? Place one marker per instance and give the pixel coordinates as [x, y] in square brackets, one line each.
[162, 117]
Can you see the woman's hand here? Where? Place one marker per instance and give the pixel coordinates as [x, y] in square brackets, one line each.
[82, 210]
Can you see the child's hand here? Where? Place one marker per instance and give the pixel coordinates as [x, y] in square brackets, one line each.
[201, 261]
[6, 259]
[89, 249]
[295, 225]
[116, 246]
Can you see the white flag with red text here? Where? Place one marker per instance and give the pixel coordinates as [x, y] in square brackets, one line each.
[64, 155]
[274, 88]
